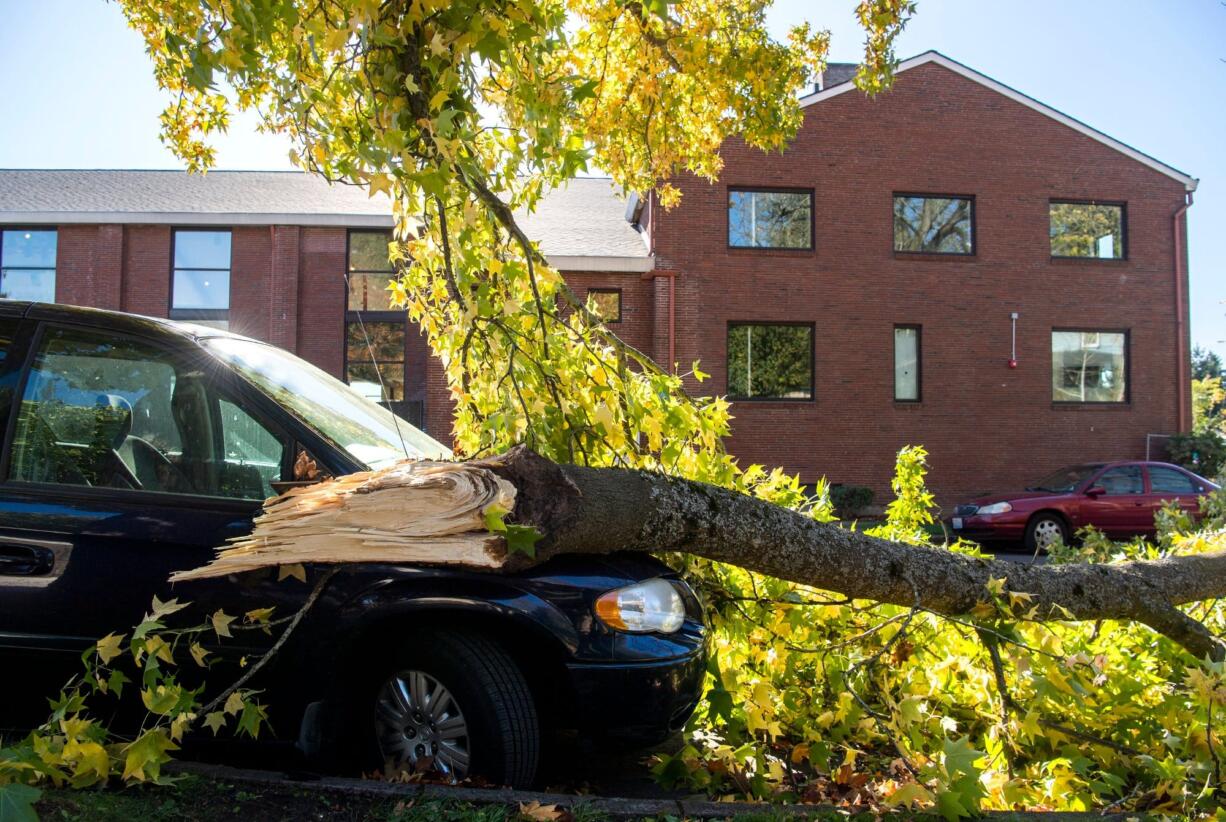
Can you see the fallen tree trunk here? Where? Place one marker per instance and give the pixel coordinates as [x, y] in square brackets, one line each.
[433, 513]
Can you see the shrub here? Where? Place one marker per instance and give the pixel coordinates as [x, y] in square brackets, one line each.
[849, 500]
[1202, 451]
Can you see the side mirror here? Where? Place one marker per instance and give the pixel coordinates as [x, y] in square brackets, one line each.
[1095, 492]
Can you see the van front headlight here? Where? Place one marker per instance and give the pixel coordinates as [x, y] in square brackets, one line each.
[653, 606]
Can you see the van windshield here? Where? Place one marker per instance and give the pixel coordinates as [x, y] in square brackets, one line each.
[370, 433]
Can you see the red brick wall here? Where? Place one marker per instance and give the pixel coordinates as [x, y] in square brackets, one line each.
[251, 281]
[146, 270]
[321, 298]
[985, 426]
[88, 265]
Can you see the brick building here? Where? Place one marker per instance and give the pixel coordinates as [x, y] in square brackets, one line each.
[952, 264]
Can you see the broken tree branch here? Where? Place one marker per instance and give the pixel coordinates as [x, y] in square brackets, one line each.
[432, 513]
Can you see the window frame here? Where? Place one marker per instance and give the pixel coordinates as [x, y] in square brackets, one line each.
[608, 290]
[55, 269]
[1127, 400]
[919, 363]
[1123, 207]
[970, 198]
[747, 189]
[812, 326]
[198, 314]
[222, 379]
[359, 316]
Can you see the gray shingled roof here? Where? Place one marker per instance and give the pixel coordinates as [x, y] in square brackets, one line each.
[586, 218]
[583, 220]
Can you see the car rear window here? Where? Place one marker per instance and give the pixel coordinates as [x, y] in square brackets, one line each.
[8, 329]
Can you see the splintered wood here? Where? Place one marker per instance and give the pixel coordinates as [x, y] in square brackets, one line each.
[416, 511]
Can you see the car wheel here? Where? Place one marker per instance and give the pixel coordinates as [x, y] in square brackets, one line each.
[1043, 531]
[454, 705]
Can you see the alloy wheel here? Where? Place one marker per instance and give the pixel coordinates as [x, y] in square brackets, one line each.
[1046, 533]
[419, 726]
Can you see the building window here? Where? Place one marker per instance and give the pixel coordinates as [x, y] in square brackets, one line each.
[374, 329]
[934, 225]
[1089, 366]
[200, 284]
[606, 303]
[1092, 230]
[907, 363]
[27, 265]
[770, 219]
[770, 361]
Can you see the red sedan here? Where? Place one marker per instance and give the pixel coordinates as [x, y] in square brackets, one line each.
[1118, 498]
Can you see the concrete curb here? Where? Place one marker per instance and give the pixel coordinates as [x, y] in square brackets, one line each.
[615, 807]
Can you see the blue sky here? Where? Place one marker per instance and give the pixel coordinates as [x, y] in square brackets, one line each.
[78, 92]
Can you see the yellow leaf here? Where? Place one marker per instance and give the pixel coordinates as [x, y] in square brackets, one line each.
[380, 182]
[1019, 598]
[234, 703]
[983, 610]
[604, 416]
[161, 609]
[108, 647]
[259, 614]
[155, 646]
[180, 724]
[91, 758]
[909, 794]
[540, 813]
[198, 652]
[144, 758]
[215, 721]
[221, 623]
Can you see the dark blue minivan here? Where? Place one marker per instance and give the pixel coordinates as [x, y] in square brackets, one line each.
[133, 447]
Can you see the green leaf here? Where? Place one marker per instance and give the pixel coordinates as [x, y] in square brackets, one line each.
[960, 758]
[17, 803]
[719, 703]
[251, 718]
[493, 515]
[116, 681]
[949, 804]
[144, 758]
[522, 539]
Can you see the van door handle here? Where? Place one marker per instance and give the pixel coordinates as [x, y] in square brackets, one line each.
[25, 560]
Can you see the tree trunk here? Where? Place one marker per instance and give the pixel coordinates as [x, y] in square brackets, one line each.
[435, 514]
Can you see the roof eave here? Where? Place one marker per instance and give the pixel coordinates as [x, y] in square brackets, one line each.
[1188, 181]
[610, 263]
[194, 218]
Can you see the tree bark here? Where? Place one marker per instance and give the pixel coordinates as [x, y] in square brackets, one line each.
[582, 510]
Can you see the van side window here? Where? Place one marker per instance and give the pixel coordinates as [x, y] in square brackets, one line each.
[104, 410]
